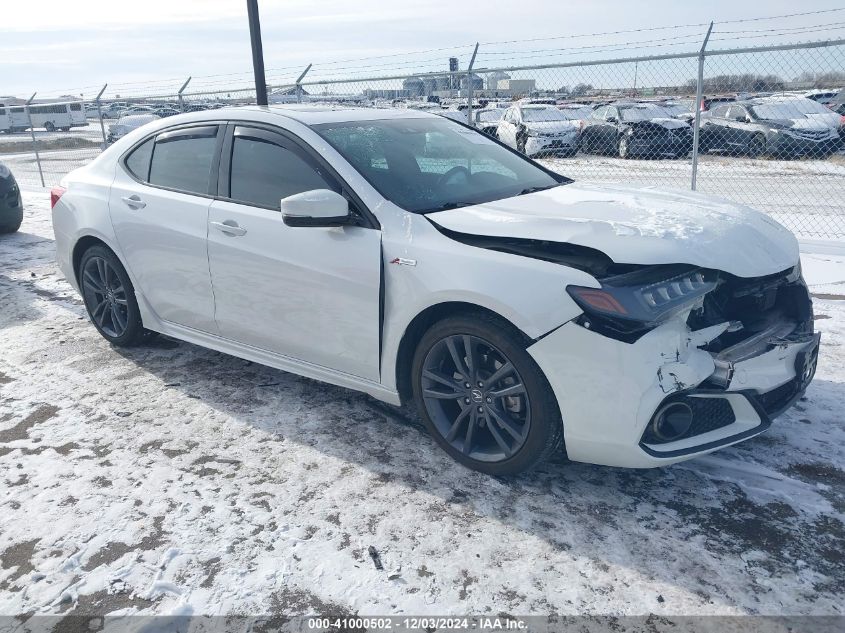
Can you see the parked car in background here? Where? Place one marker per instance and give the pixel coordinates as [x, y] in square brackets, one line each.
[636, 129]
[711, 102]
[166, 112]
[579, 112]
[537, 130]
[487, 120]
[825, 97]
[127, 124]
[683, 109]
[524, 314]
[11, 204]
[773, 126]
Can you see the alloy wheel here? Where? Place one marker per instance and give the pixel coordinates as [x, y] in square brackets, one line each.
[105, 297]
[476, 398]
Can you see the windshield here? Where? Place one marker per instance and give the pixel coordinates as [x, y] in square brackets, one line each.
[427, 164]
[535, 115]
[644, 113]
[490, 115]
[574, 114]
[676, 109]
[795, 109]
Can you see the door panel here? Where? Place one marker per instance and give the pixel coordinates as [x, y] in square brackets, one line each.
[162, 237]
[307, 293]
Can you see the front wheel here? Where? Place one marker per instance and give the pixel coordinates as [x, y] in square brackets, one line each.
[110, 298]
[49, 126]
[623, 148]
[482, 397]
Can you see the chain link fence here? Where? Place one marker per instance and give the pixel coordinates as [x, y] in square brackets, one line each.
[761, 126]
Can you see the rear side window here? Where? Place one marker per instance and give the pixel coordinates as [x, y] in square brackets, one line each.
[138, 162]
[264, 172]
[182, 159]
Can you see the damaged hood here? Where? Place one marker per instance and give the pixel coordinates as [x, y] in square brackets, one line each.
[637, 225]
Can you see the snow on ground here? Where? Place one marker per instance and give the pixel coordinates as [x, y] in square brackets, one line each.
[172, 479]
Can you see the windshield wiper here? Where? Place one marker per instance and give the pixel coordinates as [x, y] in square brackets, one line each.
[536, 189]
[446, 206]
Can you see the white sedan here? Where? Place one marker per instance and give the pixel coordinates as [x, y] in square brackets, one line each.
[537, 129]
[403, 255]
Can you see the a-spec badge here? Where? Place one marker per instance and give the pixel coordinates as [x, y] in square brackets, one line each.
[403, 261]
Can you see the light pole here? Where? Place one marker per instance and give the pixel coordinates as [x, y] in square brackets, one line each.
[257, 52]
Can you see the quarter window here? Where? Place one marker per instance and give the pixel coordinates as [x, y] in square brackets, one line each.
[182, 159]
[138, 162]
[264, 172]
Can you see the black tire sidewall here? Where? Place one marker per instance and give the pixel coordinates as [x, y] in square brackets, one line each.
[135, 328]
[545, 433]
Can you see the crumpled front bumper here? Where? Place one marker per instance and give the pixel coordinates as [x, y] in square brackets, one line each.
[609, 391]
[551, 144]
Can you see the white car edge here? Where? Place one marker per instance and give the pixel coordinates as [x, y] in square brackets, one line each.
[576, 317]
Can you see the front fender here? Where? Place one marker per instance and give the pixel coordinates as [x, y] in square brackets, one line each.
[430, 269]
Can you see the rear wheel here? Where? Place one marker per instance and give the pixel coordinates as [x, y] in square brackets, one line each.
[482, 396]
[757, 146]
[49, 126]
[110, 298]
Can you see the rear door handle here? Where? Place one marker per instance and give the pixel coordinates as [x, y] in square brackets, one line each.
[229, 227]
[134, 202]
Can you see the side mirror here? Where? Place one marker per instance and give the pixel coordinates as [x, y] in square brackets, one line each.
[320, 207]
[612, 119]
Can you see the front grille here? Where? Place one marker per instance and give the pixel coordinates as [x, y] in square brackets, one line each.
[709, 414]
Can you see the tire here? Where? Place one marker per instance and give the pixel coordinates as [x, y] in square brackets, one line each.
[622, 148]
[11, 228]
[65, 129]
[520, 142]
[757, 146]
[49, 126]
[471, 423]
[113, 309]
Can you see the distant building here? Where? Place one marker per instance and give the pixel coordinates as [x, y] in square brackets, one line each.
[515, 87]
[494, 78]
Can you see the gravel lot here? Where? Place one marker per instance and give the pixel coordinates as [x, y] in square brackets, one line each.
[172, 479]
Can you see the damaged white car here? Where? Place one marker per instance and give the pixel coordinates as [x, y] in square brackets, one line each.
[418, 260]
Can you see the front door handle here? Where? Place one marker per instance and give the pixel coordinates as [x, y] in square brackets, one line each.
[134, 202]
[229, 227]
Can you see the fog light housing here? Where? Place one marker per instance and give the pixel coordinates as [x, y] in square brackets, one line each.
[672, 421]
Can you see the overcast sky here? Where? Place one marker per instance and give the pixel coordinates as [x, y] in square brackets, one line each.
[73, 47]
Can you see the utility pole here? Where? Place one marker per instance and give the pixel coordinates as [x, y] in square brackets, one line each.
[257, 52]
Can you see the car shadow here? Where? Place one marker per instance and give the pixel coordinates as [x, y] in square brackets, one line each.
[675, 523]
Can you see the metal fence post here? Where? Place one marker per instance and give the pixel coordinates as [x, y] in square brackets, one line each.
[179, 94]
[699, 93]
[469, 85]
[100, 112]
[299, 82]
[34, 142]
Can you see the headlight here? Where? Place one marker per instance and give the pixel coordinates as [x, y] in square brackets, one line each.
[642, 299]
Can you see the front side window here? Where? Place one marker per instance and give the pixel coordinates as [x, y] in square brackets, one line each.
[182, 159]
[424, 165]
[264, 172]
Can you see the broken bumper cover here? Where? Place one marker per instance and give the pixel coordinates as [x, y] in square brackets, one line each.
[610, 391]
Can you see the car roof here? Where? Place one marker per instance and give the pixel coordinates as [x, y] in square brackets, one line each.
[316, 114]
